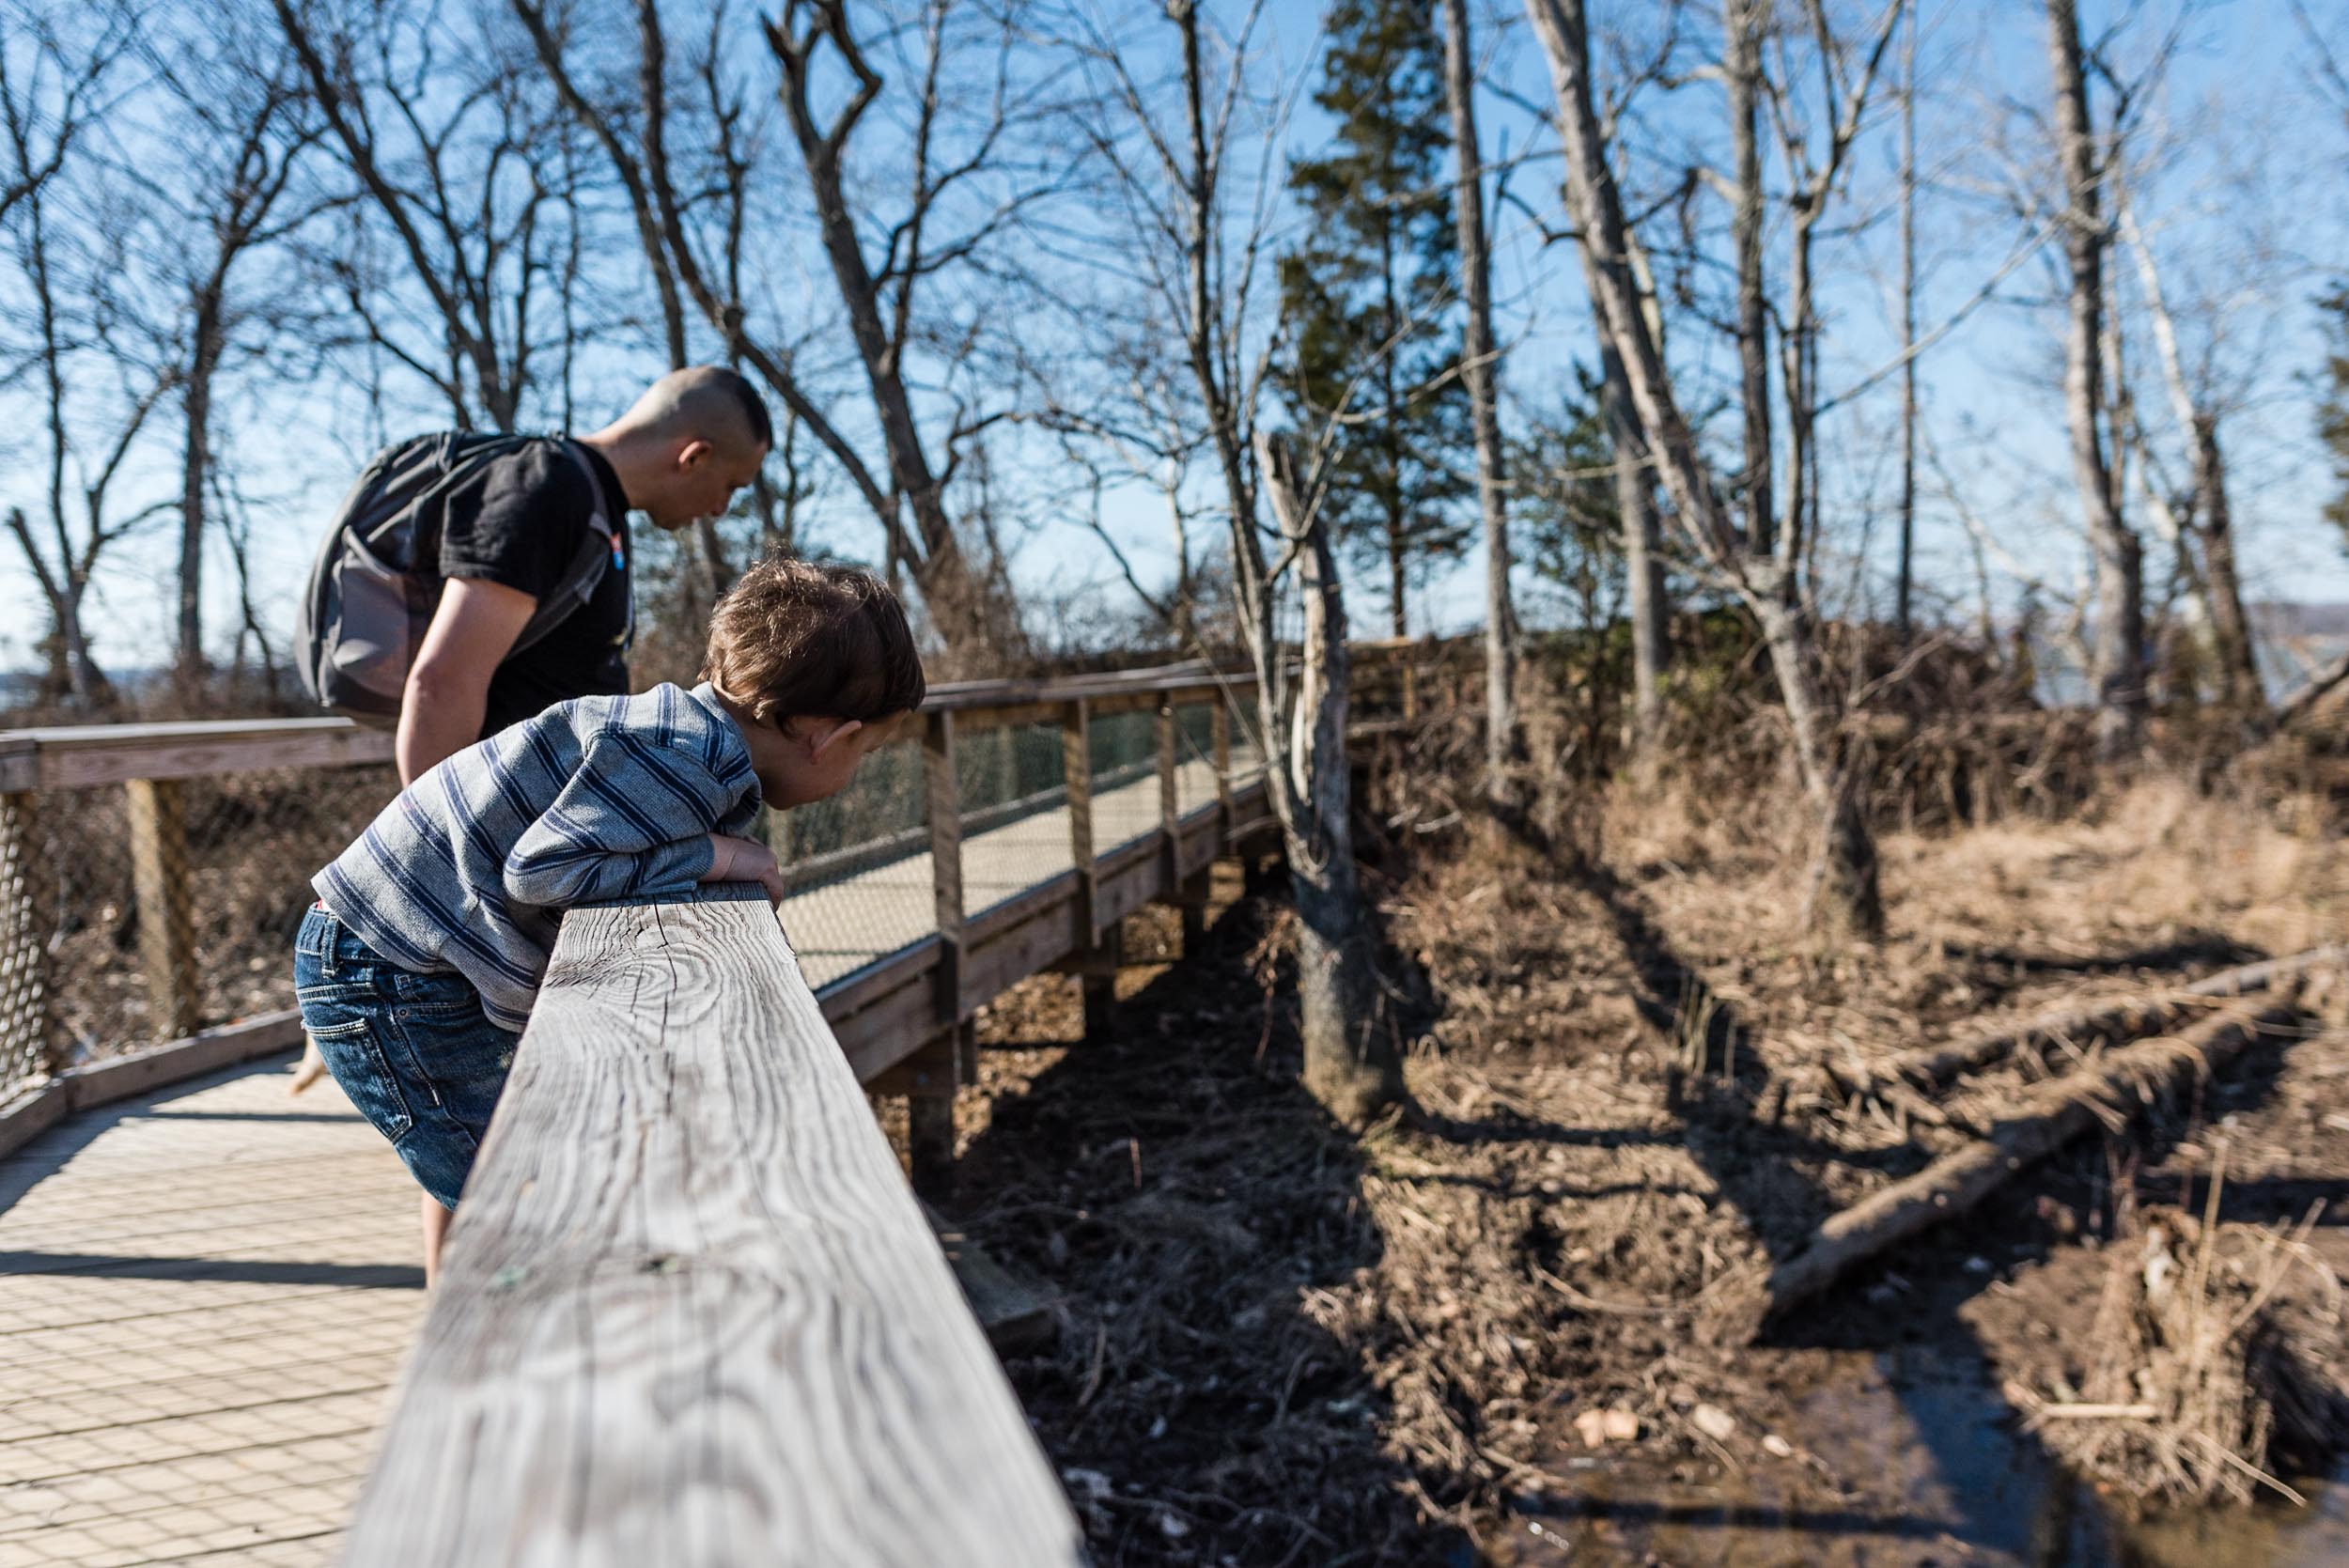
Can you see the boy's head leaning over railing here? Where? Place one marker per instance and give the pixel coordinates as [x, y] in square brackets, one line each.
[817, 666]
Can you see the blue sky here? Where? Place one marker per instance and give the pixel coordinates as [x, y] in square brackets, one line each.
[2247, 210]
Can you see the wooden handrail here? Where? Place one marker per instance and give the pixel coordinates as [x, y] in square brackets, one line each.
[83, 756]
[690, 1311]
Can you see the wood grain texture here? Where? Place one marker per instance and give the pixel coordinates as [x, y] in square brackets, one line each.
[159, 871]
[83, 756]
[691, 1315]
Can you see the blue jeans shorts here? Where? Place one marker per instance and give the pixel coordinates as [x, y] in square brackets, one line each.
[413, 1051]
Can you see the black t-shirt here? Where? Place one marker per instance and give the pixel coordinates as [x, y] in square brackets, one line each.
[521, 524]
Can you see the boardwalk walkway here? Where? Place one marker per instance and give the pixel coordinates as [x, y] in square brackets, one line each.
[204, 1296]
[206, 1292]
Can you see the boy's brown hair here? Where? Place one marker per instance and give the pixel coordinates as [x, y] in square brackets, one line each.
[792, 638]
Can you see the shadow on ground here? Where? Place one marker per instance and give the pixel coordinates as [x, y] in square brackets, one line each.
[1191, 1208]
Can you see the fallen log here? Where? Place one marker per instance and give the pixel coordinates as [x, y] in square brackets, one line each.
[2108, 1092]
[1928, 1067]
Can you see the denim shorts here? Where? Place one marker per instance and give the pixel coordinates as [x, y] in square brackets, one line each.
[413, 1051]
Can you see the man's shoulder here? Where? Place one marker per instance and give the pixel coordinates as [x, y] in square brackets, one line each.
[521, 517]
[541, 471]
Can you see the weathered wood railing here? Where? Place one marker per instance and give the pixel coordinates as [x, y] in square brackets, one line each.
[902, 1019]
[690, 1313]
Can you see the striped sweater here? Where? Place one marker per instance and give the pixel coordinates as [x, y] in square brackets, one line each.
[595, 799]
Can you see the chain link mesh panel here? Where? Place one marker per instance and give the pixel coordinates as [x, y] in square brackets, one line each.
[859, 862]
[229, 862]
[132, 914]
[26, 900]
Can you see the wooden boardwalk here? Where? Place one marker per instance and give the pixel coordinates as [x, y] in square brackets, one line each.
[838, 928]
[206, 1292]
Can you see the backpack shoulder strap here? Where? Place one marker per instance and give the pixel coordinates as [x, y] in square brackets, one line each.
[581, 579]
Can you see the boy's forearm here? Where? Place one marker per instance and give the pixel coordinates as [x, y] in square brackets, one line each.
[590, 877]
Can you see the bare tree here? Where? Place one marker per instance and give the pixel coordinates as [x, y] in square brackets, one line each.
[448, 147]
[1906, 583]
[1845, 88]
[96, 395]
[1195, 229]
[629, 165]
[1642, 552]
[49, 102]
[881, 300]
[1481, 368]
[2117, 673]
[2209, 519]
[880, 297]
[1757, 568]
[240, 122]
[1147, 432]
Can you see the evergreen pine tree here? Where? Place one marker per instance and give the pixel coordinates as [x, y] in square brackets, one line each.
[2332, 412]
[1371, 330]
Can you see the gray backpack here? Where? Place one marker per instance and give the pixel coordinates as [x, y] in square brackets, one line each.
[376, 579]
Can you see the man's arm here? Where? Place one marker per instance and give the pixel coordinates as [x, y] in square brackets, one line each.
[448, 685]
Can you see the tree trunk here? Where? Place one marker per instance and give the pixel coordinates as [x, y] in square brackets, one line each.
[1353, 1065]
[2217, 585]
[1847, 848]
[1604, 244]
[2230, 628]
[1742, 21]
[2117, 660]
[194, 469]
[1643, 553]
[1502, 750]
[1901, 601]
[953, 591]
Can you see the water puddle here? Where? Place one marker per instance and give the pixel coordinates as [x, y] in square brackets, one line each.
[1899, 1464]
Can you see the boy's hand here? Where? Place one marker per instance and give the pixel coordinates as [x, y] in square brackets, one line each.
[742, 860]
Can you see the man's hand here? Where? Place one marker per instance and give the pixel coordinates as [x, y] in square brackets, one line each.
[448, 685]
[742, 860]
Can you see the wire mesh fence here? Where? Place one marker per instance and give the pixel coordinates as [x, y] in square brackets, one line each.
[138, 912]
[135, 913]
[859, 864]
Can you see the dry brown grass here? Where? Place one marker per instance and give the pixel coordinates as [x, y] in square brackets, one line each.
[2207, 1377]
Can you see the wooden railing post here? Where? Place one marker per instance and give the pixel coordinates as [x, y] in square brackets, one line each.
[1075, 757]
[1096, 961]
[28, 1038]
[1224, 767]
[1170, 803]
[159, 868]
[936, 1067]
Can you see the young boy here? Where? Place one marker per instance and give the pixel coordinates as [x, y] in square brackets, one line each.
[417, 966]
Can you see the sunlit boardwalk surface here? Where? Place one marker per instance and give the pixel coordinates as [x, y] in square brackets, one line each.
[204, 1298]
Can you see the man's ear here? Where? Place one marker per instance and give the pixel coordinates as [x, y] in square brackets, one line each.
[693, 453]
[824, 741]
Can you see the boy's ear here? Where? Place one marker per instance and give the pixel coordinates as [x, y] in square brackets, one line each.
[824, 741]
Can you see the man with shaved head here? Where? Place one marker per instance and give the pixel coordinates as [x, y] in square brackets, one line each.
[510, 536]
[680, 452]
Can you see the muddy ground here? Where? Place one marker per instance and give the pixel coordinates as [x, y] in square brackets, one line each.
[1279, 1344]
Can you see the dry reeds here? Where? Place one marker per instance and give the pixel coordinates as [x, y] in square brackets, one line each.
[2198, 1382]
